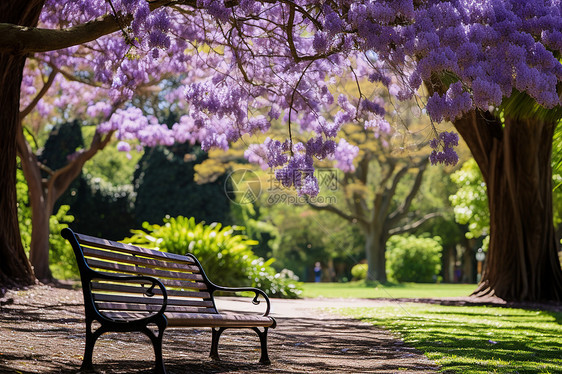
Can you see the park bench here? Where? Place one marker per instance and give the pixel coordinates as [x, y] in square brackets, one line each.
[127, 288]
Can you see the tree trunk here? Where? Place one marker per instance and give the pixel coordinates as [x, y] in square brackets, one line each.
[375, 246]
[42, 204]
[448, 264]
[14, 267]
[515, 159]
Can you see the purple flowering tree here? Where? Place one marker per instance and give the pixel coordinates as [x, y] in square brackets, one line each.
[491, 67]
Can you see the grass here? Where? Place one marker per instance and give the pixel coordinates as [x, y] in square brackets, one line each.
[389, 290]
[475, 339]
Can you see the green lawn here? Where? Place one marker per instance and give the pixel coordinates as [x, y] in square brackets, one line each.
[475, 339]
[409, 290]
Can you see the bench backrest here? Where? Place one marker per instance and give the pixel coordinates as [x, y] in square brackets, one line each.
[182, 276]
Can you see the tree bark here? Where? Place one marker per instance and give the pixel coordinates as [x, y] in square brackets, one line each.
[515, 159]
[375, 249]
[41, 210]
[14, 266]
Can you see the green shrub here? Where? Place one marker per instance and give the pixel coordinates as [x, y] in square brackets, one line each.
[225, 254]
[413, 259]
[61, 258]
[359, 271]
[24, 209]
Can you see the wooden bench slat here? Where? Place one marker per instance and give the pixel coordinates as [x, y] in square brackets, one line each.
[173, 283]
[126, 316]
[200, 319]
[168, 283]
[127, 288]
[91, 241]
[107, 306]
[105, 265]
[216, 320]
[150, 300]
[132, 259]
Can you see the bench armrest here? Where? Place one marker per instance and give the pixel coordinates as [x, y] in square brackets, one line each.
[256, 291]
[94, 275]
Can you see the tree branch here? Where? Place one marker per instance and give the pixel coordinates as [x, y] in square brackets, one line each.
[15, 39]
[332, 209]
[414, 225]
[389, 193]
[403, 208]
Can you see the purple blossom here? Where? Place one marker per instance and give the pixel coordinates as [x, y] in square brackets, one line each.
[344, 155]
[333, 23]
[376, 107]
[276, 152]
[379, 125]
[257, 154]
[320, 43]
[377, 76]
[309, 186]
[123, 146]
[319, 148]
[447, 155]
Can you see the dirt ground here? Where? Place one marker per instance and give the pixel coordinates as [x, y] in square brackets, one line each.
[42, 331]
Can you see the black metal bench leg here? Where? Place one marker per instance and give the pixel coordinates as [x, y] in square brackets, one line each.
[215, 342]
[264, 359]
[91, 338]
[157, 344]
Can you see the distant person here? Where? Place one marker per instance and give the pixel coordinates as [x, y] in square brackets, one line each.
[317, 272]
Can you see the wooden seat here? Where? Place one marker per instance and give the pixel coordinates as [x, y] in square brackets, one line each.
[127, 288]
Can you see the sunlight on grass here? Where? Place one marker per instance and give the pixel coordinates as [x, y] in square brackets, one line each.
[475, 339]
[408, 290]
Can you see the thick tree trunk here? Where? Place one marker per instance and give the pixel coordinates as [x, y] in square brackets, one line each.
[522, 261]
[14, 267]
[375, 246]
